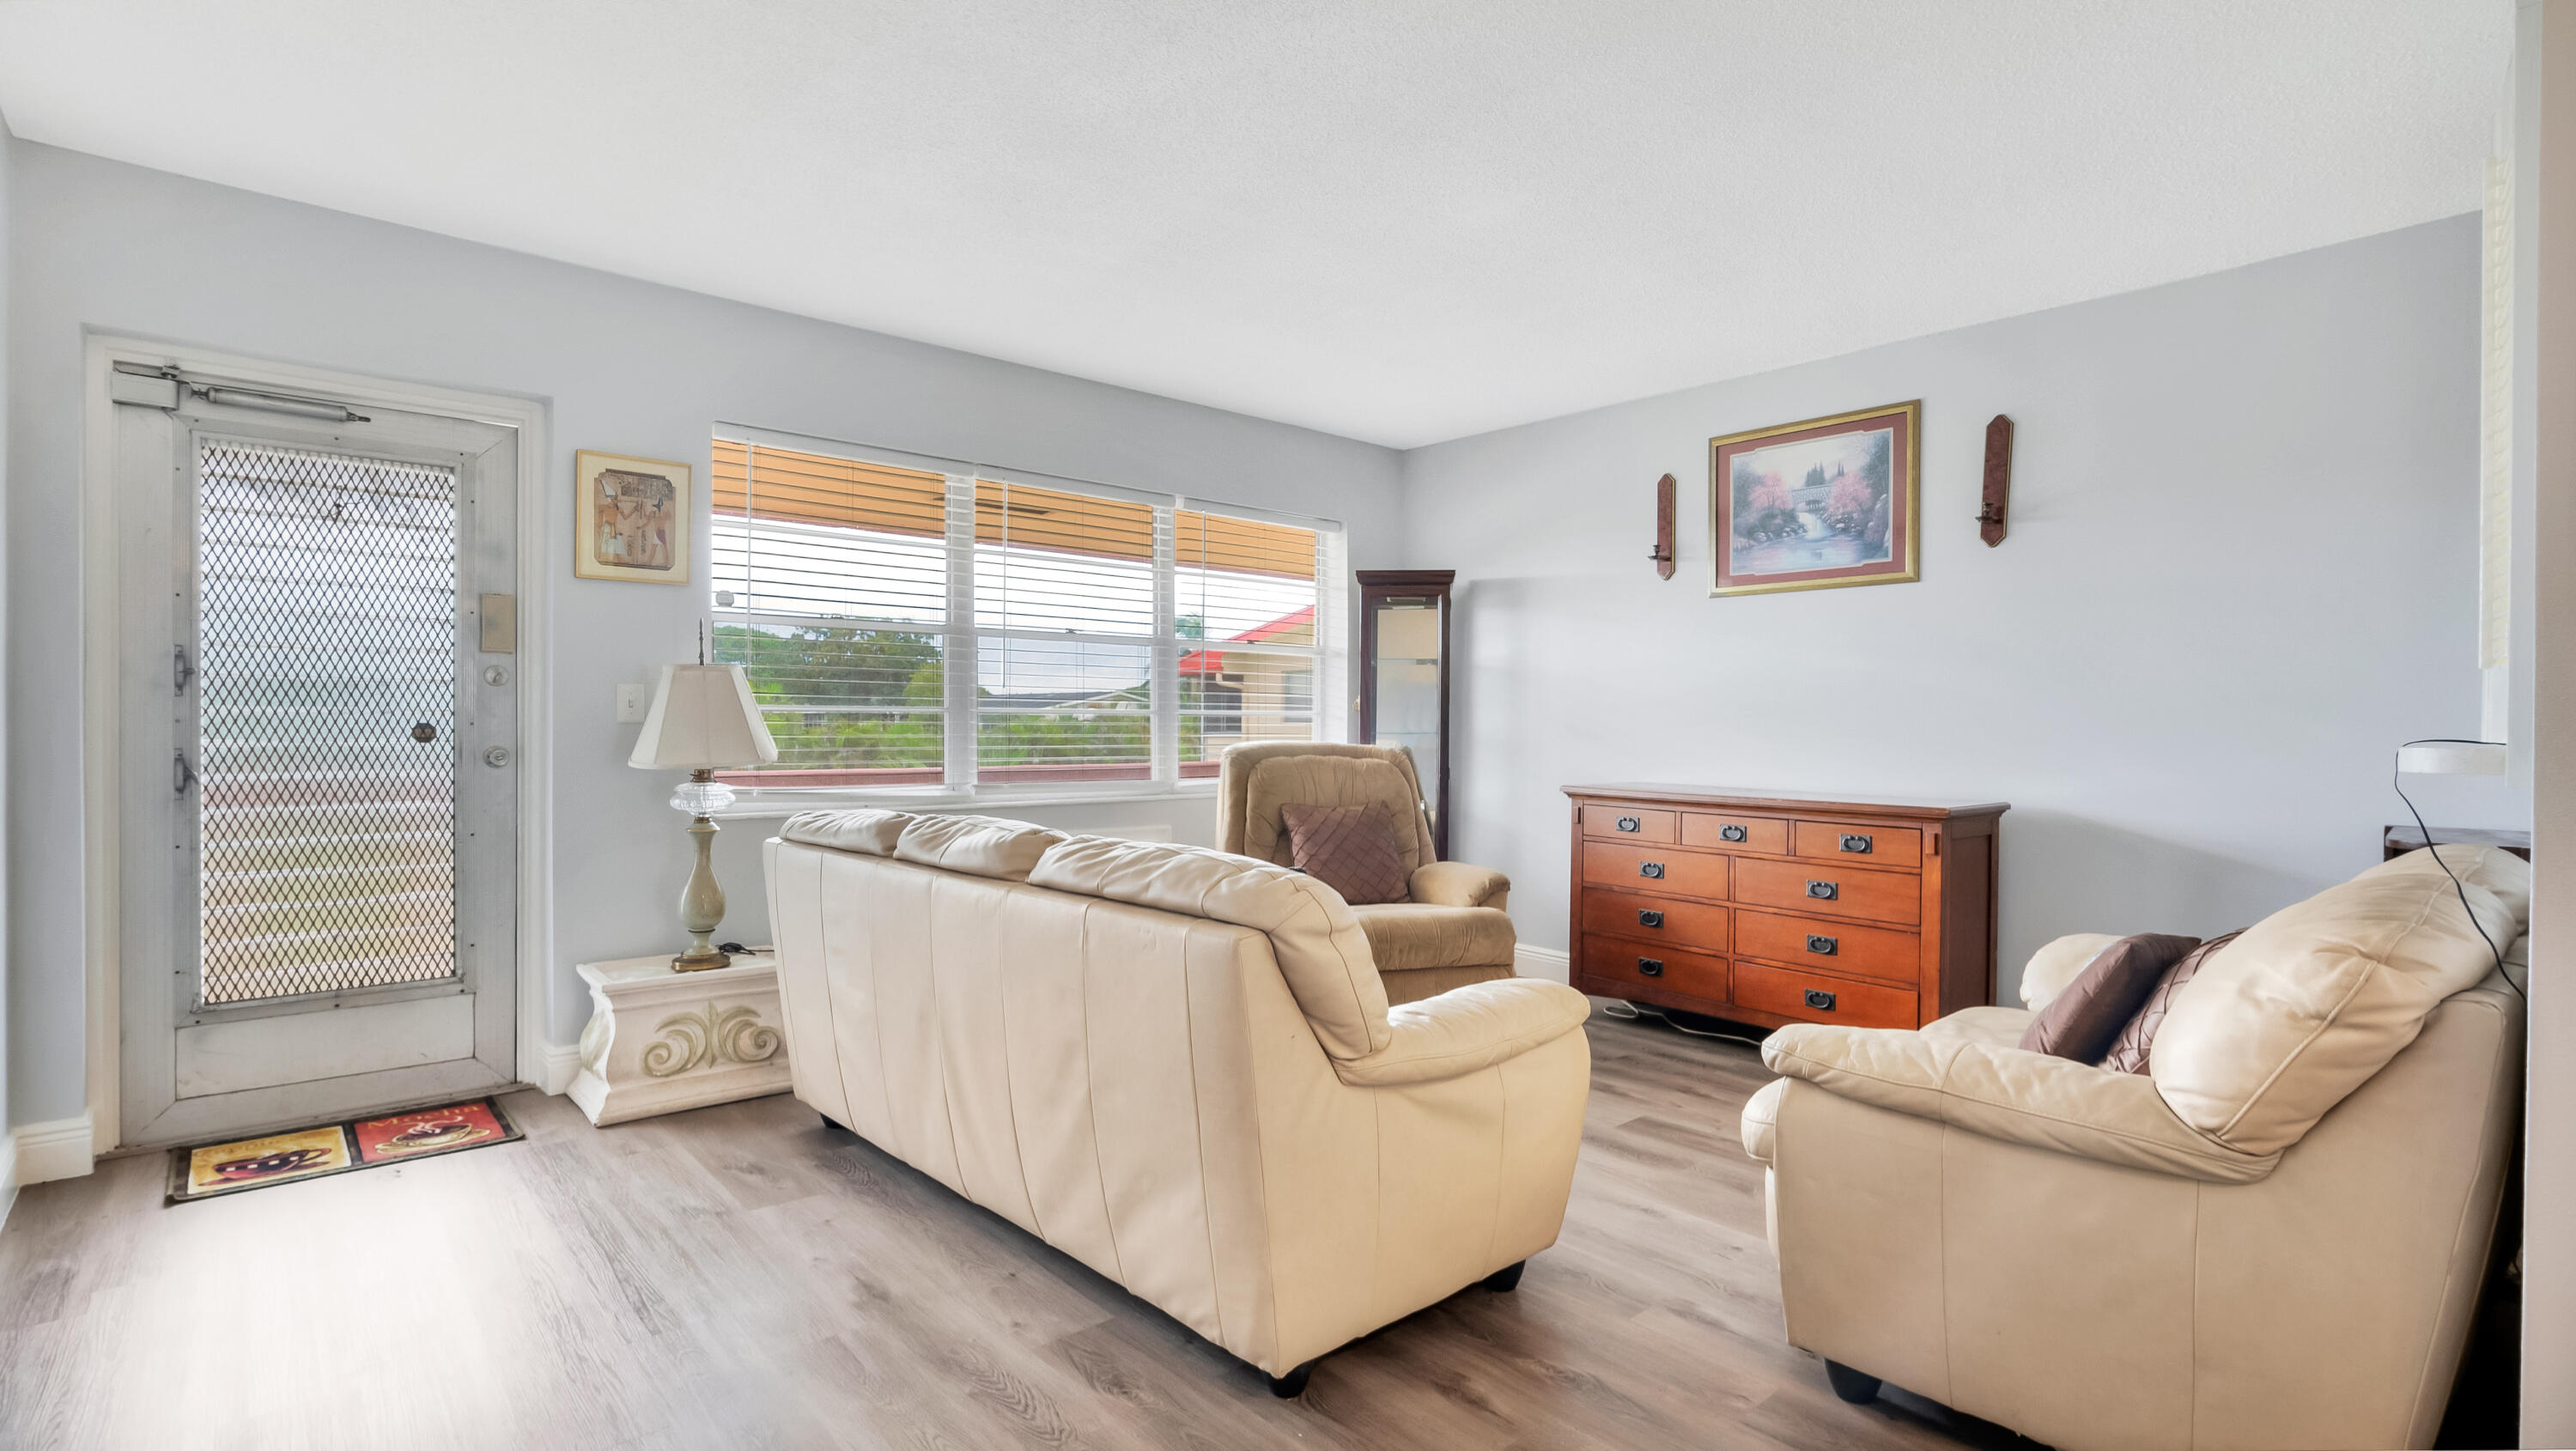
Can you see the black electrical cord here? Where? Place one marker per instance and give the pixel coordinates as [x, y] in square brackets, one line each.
[2396, 783]
[1640, 1012]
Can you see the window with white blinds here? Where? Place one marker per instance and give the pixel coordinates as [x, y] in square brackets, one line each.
[948, 629]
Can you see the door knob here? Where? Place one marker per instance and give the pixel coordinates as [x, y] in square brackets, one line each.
[424, 732]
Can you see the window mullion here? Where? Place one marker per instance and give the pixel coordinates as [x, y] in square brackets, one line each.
[1165, 697]
[960, 669]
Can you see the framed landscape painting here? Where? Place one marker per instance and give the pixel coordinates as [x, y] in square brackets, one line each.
[1813, 505]
[630, 518]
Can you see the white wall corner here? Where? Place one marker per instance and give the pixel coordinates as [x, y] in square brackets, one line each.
[45, 1152]
[555, 1065]
[1551, 963]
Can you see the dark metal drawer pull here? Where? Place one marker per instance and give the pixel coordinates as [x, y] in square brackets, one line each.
[1627, 823]
[1854, 841]
[1650, 967]
[1730, 833]
[1820, 1000]
[1824, 891]
[1649, 919]
[1651, 869]
[1821, 946]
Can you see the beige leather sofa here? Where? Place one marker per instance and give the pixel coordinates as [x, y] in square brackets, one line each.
[1454, 929]
[2275, 1238]
[1178, 1067]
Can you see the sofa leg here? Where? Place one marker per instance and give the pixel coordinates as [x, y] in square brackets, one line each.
[1292, 1385]
[1506, 1279]
[832, 1124]
[1850, 1384]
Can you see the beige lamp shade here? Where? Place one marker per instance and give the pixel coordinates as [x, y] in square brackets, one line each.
[703, 716]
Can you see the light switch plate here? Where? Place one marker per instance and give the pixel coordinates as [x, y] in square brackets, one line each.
[632, 701]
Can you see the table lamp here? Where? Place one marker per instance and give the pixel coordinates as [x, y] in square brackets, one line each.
[703, 718]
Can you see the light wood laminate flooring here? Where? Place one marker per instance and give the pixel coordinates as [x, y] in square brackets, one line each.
[741, 1276]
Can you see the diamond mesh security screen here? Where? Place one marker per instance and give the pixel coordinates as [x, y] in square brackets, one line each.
[326, 642]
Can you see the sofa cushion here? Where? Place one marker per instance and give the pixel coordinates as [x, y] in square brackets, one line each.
[2492, 867]
[1350, 849]
[2081, 1022]
[1318, 943]
[2314, 999]
[861, 830]
[979, 846]
[1405, 936]
[1325, 780]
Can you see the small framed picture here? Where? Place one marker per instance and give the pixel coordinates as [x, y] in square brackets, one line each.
[630, 518]
[1813, 505]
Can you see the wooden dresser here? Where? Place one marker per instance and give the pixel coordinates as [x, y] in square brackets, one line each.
[1775, 907]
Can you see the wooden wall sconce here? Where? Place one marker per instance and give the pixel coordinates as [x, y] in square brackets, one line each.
[1990, 517]
[1663, 555]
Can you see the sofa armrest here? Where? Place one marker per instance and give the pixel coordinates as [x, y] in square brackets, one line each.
[1456, 884]
[1468, 1028]
[2005, 1093]
[2058, 963]
[1760, 1124]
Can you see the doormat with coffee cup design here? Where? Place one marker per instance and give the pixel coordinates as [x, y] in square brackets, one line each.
[210, 1171]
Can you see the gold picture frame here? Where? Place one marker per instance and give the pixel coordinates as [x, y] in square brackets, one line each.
[630, 518]
[1853, 516]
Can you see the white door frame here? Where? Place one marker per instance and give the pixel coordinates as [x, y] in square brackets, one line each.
[102, 897]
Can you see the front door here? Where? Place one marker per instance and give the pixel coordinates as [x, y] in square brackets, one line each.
[319, 781]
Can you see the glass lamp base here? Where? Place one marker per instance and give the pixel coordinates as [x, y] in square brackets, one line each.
[702, 798]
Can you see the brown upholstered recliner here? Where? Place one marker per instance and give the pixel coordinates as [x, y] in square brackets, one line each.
[1452, 932]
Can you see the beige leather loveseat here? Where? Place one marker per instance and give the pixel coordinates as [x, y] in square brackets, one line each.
[2274, 1238]
[1451, 930]
[1178, 1067]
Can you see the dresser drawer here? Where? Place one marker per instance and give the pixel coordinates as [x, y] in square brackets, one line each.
[1823, 942]
[1628, 823]
[1830, 889]
[1654, 870]
[1817, 998]
[1887, 846]
[1652, 965]
[1735, 833]
[1655, 919]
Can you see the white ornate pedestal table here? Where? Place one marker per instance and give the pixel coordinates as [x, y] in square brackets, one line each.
[660, 1041]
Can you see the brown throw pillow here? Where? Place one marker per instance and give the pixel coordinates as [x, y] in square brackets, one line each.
[2129, 1051]
[1350, 849]
[2081, 1022]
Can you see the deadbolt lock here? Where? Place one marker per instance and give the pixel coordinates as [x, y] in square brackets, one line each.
[497, 756]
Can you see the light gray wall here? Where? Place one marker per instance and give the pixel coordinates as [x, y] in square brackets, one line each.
[623, 366]
[8, 159]
[2545, 52]
[2242, 568]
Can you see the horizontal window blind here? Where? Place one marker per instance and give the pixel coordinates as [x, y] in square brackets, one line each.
[932, 626]
[831, 579]
[1246, 608]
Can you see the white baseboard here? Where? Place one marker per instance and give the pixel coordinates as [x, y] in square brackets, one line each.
[555, 1070]
[1550, 963]
[49, 1151]
[8, 1176]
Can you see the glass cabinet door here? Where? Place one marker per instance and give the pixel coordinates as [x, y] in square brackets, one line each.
[1404, 691]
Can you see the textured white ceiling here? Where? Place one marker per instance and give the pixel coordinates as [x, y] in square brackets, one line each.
[1397, 221]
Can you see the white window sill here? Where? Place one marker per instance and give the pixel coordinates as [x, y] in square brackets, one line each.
[754, 805]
